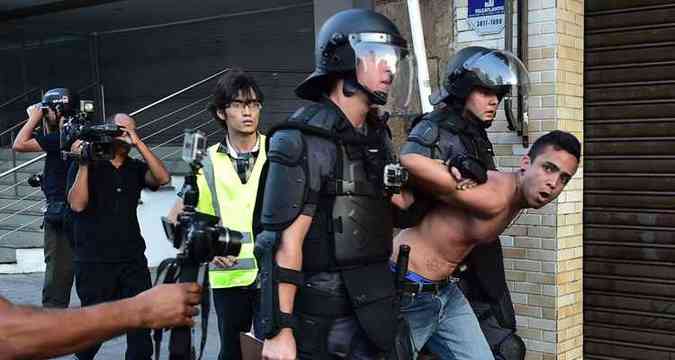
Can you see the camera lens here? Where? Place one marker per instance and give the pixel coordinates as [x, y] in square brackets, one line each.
[229, 242]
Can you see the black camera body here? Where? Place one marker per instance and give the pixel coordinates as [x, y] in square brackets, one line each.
[97, 138]
[35, 180]
[199, 239]
[395, 176]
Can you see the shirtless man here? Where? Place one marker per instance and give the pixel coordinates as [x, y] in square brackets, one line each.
[434, 306]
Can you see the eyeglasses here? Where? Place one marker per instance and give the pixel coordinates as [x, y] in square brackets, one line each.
[240, 104]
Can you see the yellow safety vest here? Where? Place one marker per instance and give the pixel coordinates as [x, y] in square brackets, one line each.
[234, 203]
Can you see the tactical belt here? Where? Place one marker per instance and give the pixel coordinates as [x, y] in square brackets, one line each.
[413, 287]
[314, 302]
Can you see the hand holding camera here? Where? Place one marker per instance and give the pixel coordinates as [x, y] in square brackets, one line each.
[35, 111]
[128, 127]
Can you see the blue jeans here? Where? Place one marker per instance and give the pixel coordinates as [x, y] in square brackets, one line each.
[446, 323]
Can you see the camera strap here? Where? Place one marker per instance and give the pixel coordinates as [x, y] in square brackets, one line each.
[203, 280]
[168, 272]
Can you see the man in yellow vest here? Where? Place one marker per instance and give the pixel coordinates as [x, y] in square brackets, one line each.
[228, 185]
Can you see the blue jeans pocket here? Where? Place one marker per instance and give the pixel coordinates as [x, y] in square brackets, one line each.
[407, 300]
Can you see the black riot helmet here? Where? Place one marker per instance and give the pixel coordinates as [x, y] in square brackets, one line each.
[475, 66]
[361, 47]
[61, 100]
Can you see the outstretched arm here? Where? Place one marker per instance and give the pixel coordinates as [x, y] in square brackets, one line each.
[35, 333]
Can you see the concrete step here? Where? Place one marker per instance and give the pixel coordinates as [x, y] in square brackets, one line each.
[27, 261]
[7, 255]
[37, 210]
[32, 168]
[29, 237]
[9, 195]
[21, 177]
[18, 219]
[20, 190]
[10, 204]
[6, 154]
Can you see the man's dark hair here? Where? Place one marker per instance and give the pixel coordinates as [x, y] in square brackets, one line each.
[560, 140]
[228, 88]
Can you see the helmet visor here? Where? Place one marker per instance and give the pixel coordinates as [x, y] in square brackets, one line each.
[384, 68]
[499, 68]
[503, 72]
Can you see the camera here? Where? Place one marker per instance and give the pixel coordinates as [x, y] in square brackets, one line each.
[395, 176]
[198, 239]
[197, 235]
[97, 139]
[35, 180]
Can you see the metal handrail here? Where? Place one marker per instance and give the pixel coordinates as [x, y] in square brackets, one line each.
[18, 183]
[189, 117]
[13, 127]
[17, 230]
[179, 135]
[19, 200]
[20, 211]
[42, 156]
[18, 97]
[180, 91]
[166, 156]
[172, 113]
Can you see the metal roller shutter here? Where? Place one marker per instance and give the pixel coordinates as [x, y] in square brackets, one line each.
[629, 180]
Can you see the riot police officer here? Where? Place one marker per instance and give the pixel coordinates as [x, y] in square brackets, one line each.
[326, 289]
[477, 80]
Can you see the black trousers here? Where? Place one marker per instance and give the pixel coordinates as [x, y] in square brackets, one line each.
[59, 267]
[235, 308]
[333, 338]
[102, 282]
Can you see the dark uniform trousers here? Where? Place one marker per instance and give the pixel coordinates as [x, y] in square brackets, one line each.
[99, 282]
[235, 308]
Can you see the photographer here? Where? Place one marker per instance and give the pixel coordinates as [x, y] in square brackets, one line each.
[108, 246]
[227, 188]
[33, 333]
[55, 104]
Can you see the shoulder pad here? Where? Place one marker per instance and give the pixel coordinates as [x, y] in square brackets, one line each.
[424, 133]
[316, 119]
[286, 146]
[317, 116]
[446, 119]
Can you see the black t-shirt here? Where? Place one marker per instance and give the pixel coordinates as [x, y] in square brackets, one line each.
[108, 230]
[55, 169]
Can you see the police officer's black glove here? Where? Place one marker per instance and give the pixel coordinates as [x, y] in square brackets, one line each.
[470, 167]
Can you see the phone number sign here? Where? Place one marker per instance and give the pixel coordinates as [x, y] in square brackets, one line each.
[486, 16]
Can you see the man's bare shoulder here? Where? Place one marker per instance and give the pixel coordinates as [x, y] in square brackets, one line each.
[500, 179]
[502, 186]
